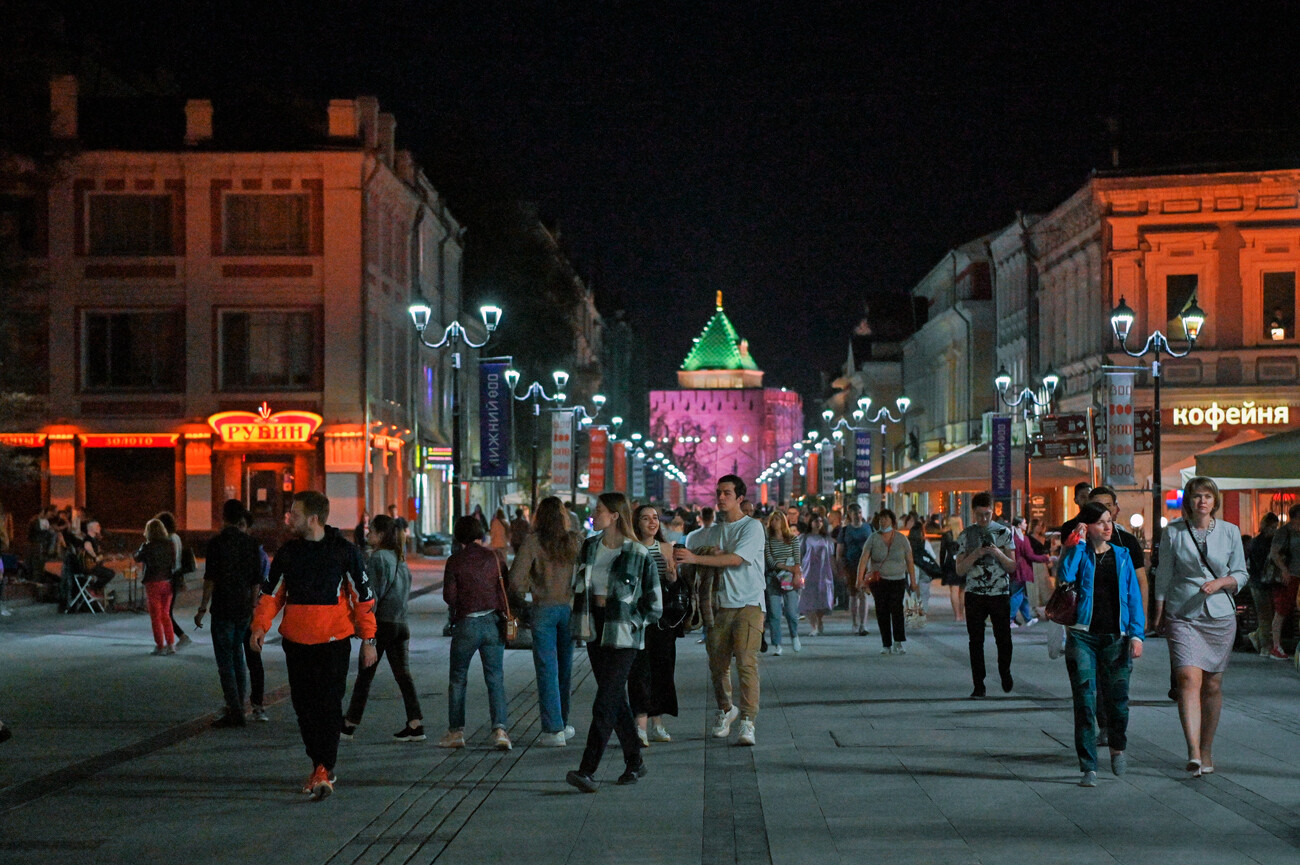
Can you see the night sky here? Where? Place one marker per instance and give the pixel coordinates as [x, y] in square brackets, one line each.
[804, 161]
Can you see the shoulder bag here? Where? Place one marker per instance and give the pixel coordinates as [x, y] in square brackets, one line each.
[872, 577]
[582, 625]
[508, 623]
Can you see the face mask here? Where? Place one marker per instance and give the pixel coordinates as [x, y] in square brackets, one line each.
[887, 529]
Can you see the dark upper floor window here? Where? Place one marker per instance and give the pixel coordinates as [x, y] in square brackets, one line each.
[270, 349]
[18, 226]
[129, 224]
[24, 350]
[266, 223]
[133, 350]
[1279, 306]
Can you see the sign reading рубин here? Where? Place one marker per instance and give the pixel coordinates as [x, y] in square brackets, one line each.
[265, 427]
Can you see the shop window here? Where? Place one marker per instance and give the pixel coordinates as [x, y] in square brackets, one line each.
[25, 351]
[134, 350]
[1279, 306]
[123, 224]
[267, 224]
[1180, 293]
[269, 349]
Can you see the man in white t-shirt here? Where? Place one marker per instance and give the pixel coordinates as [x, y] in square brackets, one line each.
[737, 629]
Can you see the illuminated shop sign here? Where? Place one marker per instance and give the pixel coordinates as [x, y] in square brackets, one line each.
[1246, 414]
[23, 440]
[264, 427]
[437, 455]
[130, 440]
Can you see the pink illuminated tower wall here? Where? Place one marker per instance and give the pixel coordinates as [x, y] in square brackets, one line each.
[721, 420]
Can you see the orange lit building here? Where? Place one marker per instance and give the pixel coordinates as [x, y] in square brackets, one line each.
[192, 271]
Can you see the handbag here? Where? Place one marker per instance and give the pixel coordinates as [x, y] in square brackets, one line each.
[582, 625]
[1063, 606]
[871, 578]
[508, 624]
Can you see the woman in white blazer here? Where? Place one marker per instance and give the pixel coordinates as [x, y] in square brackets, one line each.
[1201, 568]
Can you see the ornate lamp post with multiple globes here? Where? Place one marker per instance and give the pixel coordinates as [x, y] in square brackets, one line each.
[452, 337]
[1027, 399]
[1121, 322]
[536, 392]
[884, 417]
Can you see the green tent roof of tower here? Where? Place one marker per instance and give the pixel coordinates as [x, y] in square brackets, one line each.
[719, 346]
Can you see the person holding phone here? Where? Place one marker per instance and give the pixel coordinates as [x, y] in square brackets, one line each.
[986, 561]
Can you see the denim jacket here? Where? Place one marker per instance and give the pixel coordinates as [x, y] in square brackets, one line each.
[1077, 563]
[634, 599]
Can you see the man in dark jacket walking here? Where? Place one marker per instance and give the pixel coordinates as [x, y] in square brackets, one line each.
[230, 583]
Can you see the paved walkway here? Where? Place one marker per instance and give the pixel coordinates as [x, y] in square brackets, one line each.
[859, 758]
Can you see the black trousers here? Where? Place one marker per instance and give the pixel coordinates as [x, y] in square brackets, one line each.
[889, 610]
[651, 686]
[318, 678]
[391, 639]
[610, 713]
[979, 608]
[256, 674]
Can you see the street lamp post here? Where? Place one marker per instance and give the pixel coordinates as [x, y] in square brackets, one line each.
[884, 417]
[537, 394]
[1026, 399]
[452, 336]
[1121, 322]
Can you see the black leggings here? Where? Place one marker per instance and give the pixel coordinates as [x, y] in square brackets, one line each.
[889, 610]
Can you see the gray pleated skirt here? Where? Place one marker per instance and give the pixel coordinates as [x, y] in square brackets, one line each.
[1202, 643]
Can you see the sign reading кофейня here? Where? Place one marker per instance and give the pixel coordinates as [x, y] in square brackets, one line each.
[264, 427]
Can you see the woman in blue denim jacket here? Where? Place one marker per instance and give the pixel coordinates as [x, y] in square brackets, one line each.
[1107, 636]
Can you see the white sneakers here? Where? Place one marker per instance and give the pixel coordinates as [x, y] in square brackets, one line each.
[899, 650]
[746, 733]
[887, 651]
[551, 740]
[798, 646]
[722, 722]
[659, 734]
[776, 650]
[644, 737]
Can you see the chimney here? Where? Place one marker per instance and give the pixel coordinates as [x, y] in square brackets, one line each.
[198, 121]
[343, 118]
[63, 106]
[368, 121]
[387, 133]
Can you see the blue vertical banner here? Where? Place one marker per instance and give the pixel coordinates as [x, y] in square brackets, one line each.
[862, 459]
[493, 418]
[1001, 457]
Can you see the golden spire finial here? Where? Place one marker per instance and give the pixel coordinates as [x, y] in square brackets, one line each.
[719, 301]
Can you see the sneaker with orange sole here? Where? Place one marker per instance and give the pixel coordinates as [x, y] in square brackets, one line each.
[501, 740]
[452, 739]
[309, 786]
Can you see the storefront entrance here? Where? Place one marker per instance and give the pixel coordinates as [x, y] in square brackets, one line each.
[126, 486]
[268, 488]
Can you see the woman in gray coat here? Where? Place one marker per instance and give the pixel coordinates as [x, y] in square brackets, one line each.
[1202, 567]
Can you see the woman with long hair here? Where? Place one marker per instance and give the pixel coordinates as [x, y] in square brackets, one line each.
[1105, 639]
[651, 685]
[178, 578]
[818, 553]
[891, 556]
[157, 556]
[949, 549]
[499, 532]
[784, 579]
[390, 580]
[1201, 568]
[544, 566]
[617, 584]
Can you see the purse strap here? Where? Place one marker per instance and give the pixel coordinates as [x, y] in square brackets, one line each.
[1200, 552]
[501, 581]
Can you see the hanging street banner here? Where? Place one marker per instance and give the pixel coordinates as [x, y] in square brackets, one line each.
[561, 449]
[598, 441]
[828, 468]
[812, 473]
[620, 467]
[862, 459]
[1000, 454]
[494, 403]
[638, 476]
[1119, 430]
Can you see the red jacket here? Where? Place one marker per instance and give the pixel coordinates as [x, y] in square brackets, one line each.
[1025, 558]
[323, 590]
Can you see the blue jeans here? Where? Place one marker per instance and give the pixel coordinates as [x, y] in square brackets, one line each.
[782, 604]
[1020, 602]
[1099, 667]
[553, 661]
[228, 645]
[481, 635]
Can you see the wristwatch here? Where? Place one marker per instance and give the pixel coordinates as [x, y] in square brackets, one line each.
[368, 641]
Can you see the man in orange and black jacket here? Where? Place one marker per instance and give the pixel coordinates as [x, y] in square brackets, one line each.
[319, 580]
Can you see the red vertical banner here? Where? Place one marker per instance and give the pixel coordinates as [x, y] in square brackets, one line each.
[762, 494]
[674, 494]
[811, 474]
[598, 441]
[620, 467]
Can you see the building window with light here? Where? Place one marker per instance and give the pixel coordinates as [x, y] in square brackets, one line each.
[133, 350]
[267, 223]
[130, 224]
[1279, 306]
[270, 349]
[1180, 294]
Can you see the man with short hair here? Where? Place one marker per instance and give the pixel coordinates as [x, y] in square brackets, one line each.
[986, 561]
[794, 517]
[741, 589]
[1082, 494]
[319, 581]
[1106, 496]
[850, 543]
[230, 581]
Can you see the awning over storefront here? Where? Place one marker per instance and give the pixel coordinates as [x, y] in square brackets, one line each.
[967, 469]
[1266, 463]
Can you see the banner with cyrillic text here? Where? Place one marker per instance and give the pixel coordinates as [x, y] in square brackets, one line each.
[598, 438]
[562, 449]
[862, 459]
[493, 418]
[1001, 458]
[638, 475]
[827, 468]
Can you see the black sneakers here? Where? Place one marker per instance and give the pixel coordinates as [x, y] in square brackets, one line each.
[632, 775]
[348, 730]
[410, 734]
[585, 783]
